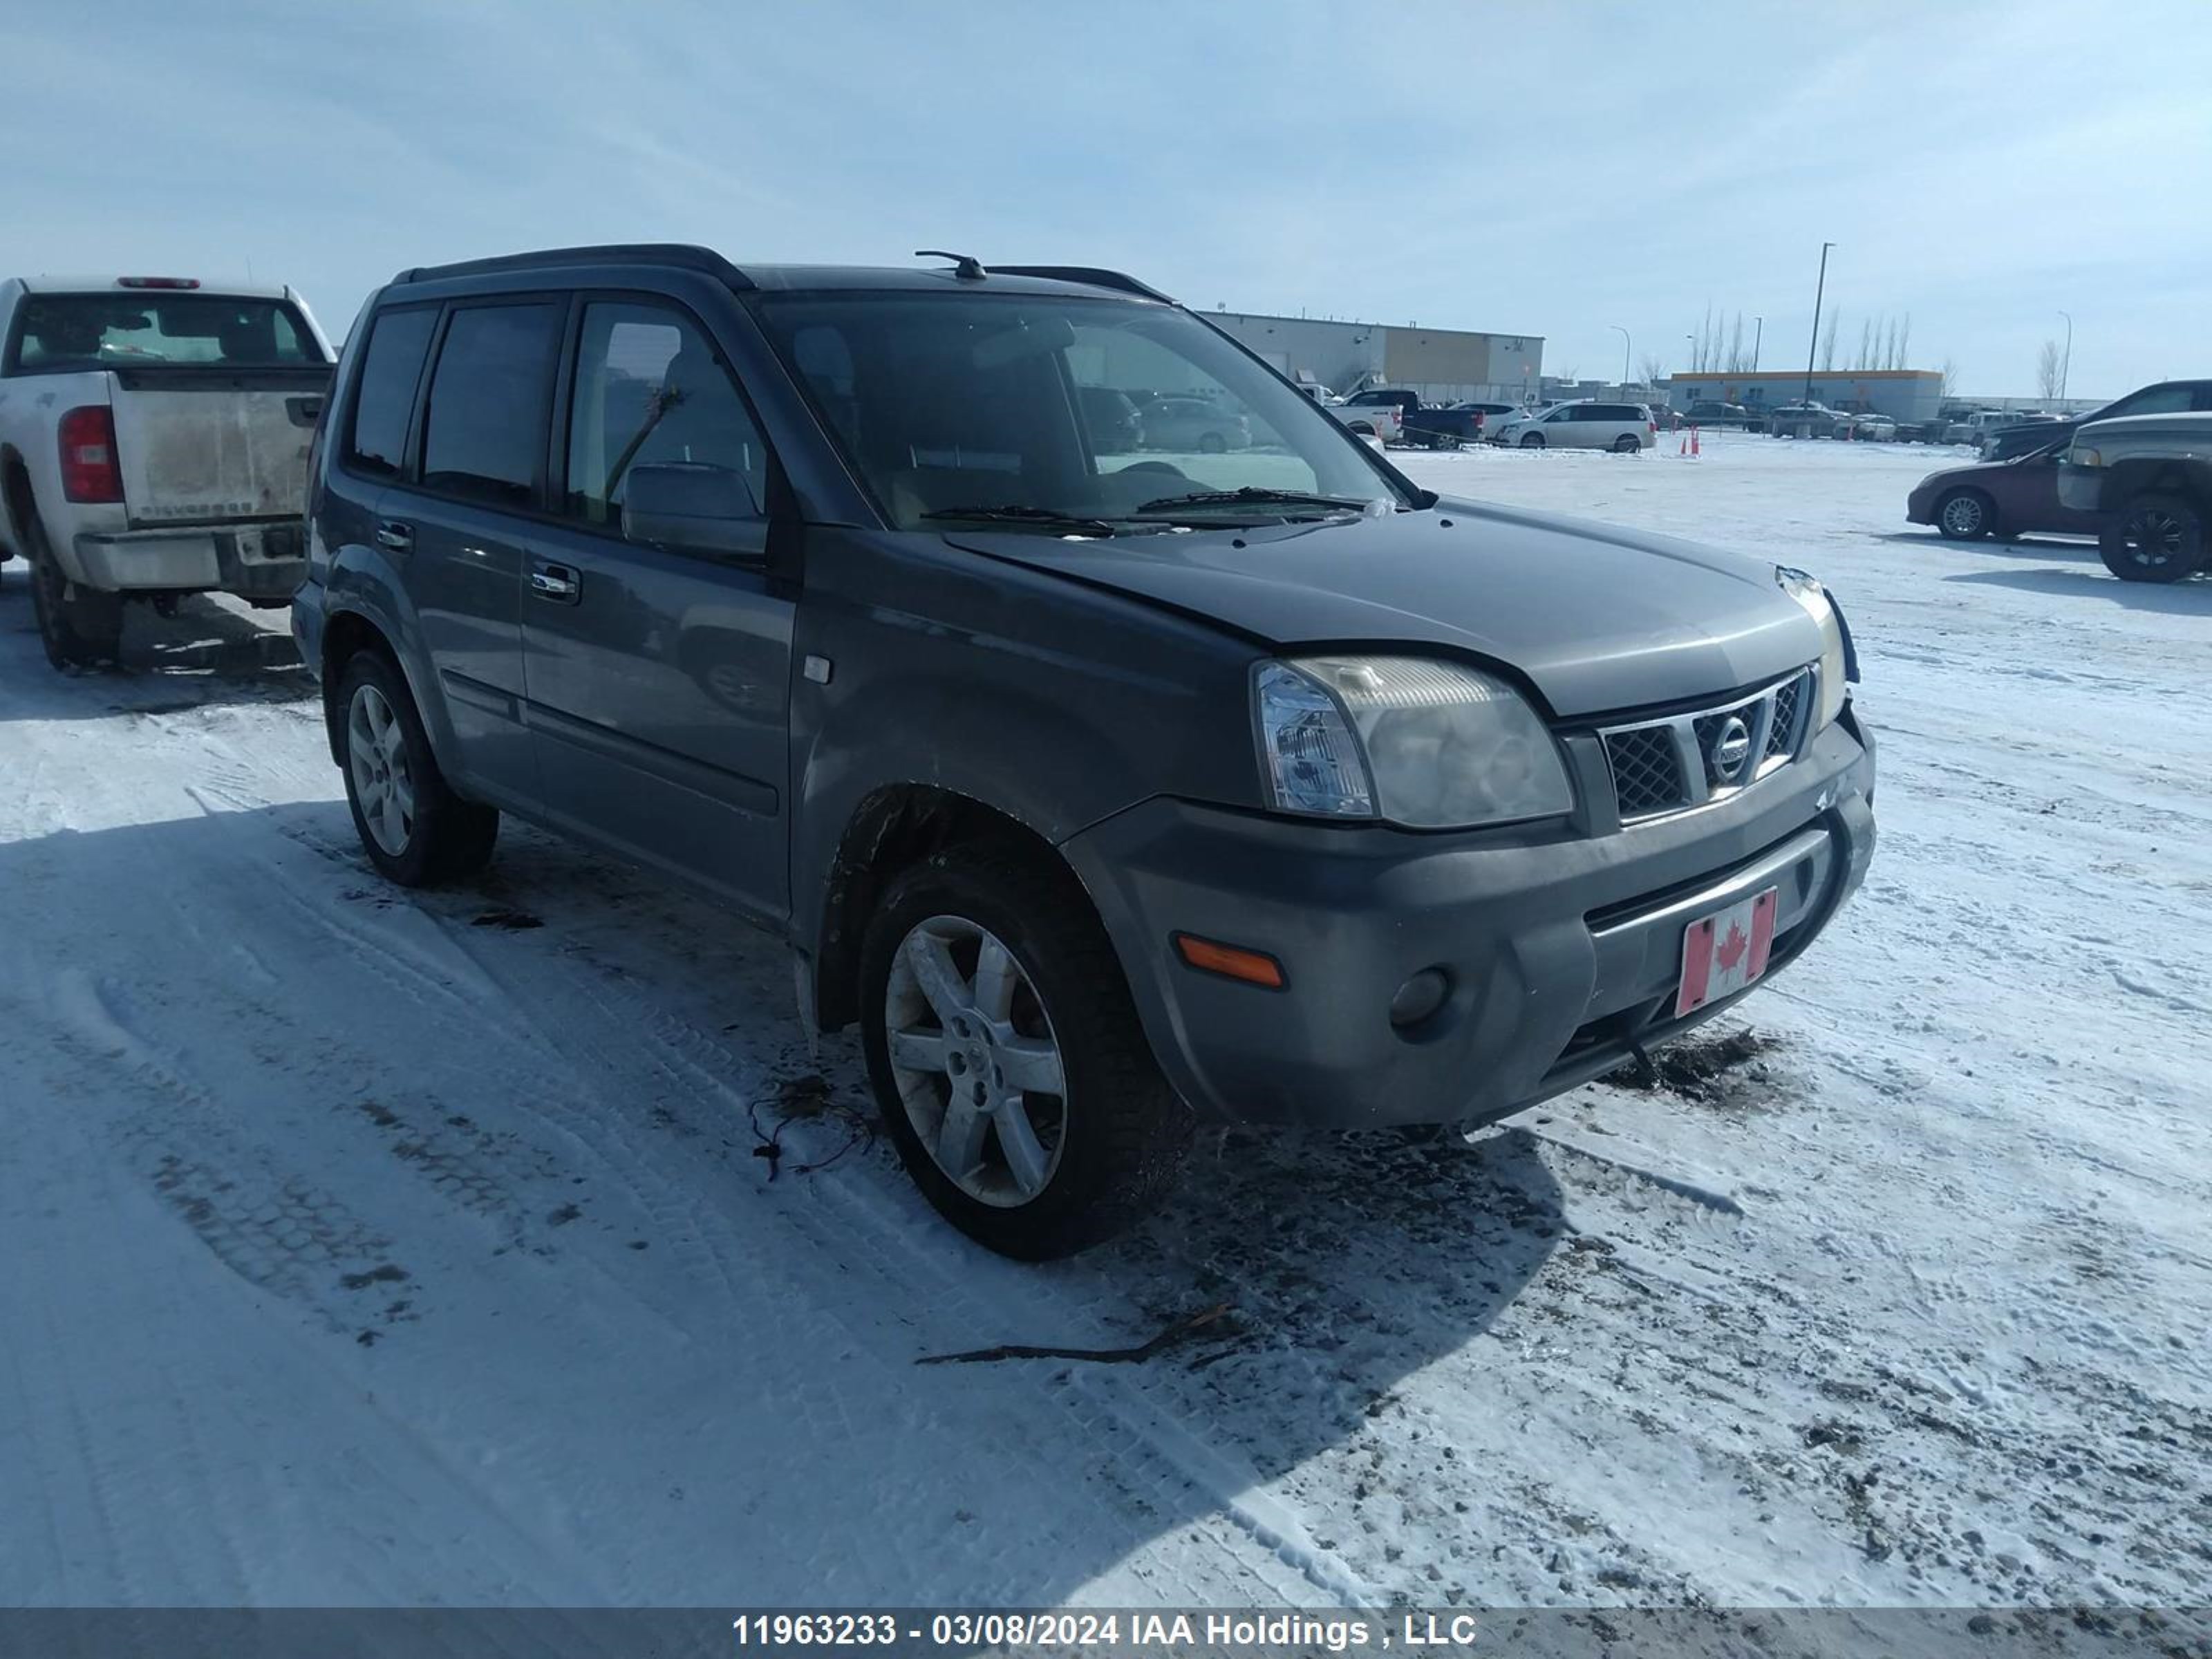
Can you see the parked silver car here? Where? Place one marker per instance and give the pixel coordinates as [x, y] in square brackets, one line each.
[1195, 424]
[1622, 428]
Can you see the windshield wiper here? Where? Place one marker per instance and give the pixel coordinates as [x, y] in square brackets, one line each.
[1253, 495]
[1041, 518]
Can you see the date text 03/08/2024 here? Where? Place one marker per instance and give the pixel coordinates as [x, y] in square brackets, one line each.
[1132, 1632]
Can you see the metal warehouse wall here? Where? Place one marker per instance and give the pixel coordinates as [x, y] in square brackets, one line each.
[1341, 355]
[1442, 364]
[1904, 394]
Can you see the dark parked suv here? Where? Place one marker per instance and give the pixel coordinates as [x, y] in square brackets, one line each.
[1104, 792]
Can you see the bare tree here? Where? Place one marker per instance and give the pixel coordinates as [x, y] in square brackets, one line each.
[2050, 367]
[1828, 342]
[1949, 373]
[1865, 359]
[1904, 344]
[1737, 362]
[1650, 368]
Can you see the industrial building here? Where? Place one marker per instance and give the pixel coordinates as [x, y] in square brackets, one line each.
[1444, 365]
[1903, 394]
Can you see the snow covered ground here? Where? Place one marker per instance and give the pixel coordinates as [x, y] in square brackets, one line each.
[359, 1247]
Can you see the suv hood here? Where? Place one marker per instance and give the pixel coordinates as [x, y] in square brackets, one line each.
[1597, 618]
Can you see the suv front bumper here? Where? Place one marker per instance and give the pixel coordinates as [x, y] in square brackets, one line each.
[1563, 954]
[254, 560]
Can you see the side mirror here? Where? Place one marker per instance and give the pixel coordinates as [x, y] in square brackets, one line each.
[694, 508]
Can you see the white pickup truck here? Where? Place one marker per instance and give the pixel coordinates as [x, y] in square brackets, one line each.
[154, 437]
[1381, 421]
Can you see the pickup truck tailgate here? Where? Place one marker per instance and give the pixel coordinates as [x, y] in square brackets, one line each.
[215, 445]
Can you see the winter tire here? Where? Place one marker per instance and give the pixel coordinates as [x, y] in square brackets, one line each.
[1007, 1059]
[79, 628]
[413, 827]
[1532, 441]
[2158, 538]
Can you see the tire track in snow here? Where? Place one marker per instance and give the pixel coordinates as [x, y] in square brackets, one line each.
[1173, 1463]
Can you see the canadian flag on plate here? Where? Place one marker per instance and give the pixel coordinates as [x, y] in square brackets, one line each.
[1723, 952]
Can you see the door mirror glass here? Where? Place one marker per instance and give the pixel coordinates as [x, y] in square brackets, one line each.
[693, 506]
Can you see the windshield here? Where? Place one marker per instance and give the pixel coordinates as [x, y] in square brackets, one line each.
[1063, 415]
[62, 332]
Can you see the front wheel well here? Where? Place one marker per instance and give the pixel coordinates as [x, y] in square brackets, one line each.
[346, 636]
[2132, 480]
[893, 829]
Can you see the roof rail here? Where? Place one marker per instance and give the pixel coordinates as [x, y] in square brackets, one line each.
[1089, 275]
[681, 255]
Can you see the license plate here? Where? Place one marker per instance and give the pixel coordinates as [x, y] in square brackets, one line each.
[1725, 951]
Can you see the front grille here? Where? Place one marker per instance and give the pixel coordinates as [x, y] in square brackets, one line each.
[1690, 759]
[1646, 770]
[1789, 703]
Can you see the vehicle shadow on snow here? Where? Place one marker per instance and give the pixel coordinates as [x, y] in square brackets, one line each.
[206, 653]
[2190, 597]
[2022, 546]
[1346, 1264]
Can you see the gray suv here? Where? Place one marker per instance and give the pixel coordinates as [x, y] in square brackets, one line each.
[1108, 792]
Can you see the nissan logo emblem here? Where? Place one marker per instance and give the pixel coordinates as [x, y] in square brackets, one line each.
[1731, 748]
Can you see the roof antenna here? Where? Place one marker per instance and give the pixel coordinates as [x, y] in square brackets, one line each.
[965, 266]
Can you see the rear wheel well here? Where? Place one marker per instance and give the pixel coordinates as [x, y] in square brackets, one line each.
[347, 633]
[21, 506]
[892, 831]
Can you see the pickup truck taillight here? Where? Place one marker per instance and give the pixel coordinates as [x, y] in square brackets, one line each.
[89, 471]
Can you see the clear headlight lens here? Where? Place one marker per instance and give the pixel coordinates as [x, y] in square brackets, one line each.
[1429, 744]
[1809, 593]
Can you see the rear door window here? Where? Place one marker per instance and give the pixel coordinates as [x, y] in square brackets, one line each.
[491, 401]
[397, 342]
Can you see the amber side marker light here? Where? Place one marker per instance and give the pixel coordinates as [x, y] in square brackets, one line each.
[1253, 967]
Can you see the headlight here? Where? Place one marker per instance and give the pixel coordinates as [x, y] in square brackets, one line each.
[1809, 593]
[1428, 745]
[2079, 457]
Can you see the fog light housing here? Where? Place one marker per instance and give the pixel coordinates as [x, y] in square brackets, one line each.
[1420, 997]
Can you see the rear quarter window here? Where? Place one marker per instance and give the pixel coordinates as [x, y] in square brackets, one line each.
[390, 366]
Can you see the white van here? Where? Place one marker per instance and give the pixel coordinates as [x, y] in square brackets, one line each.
[1622, 428]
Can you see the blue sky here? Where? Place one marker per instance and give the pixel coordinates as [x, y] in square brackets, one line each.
[1552, 169]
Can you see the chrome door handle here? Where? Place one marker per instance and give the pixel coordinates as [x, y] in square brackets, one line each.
[554, 581]
[394, 534]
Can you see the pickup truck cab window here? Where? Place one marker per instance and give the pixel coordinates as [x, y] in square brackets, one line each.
[66, 333]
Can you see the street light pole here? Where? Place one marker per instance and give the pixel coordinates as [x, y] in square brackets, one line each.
[2066, 362]
[1627, 345]
[1818, 293]
[1758, 333]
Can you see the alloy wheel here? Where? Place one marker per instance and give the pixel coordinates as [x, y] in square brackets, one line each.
[1962, 517]
[978, 1068]
[383, 779]
[2153, 539]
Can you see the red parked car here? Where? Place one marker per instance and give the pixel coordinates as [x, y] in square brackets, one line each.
[1999, 498]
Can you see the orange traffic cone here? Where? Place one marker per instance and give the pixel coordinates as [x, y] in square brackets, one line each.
[1693, 440]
